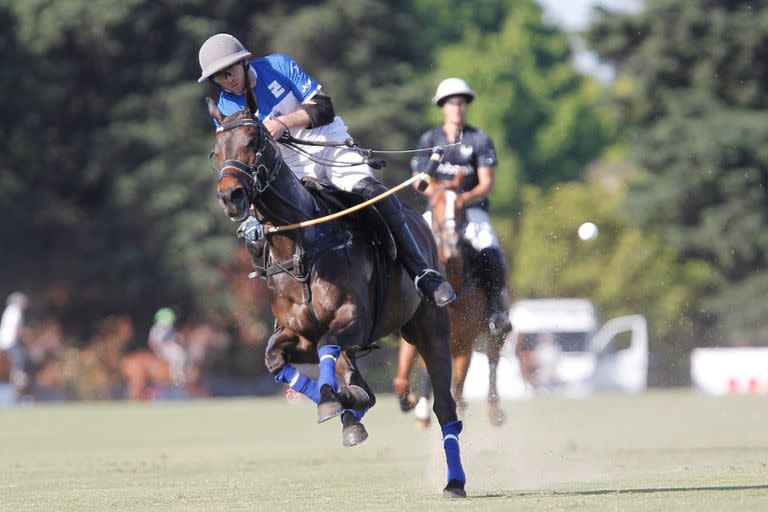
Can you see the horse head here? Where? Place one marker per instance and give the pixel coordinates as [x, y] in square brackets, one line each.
[247, 159]
[447, 221]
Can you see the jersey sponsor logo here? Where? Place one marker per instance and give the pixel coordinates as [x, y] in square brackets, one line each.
[449, 169]
[466, 151]
[276, 89]
[295, 68]
[306, 86]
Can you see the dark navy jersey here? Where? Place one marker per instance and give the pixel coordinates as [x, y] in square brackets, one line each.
[476, 150]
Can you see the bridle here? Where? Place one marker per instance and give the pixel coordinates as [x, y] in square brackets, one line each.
[256, 177]
[448, 224]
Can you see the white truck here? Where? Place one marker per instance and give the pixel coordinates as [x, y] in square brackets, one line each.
[568, 350]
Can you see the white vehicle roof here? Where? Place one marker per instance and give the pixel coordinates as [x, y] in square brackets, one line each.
[554, 315]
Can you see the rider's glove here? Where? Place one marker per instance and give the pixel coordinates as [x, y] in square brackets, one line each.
[250, 230]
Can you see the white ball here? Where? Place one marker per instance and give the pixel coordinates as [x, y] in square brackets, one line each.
[588, 231]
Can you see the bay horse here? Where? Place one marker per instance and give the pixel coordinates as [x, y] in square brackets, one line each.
[326, 290]
[470, 320]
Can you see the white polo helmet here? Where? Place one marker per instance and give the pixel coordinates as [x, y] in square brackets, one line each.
[452, 87]
[218, 53]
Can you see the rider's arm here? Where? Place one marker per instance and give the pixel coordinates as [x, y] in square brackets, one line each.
[419, 162]
[319, 110]
[316, 112]
[486, 170]
[485, 177]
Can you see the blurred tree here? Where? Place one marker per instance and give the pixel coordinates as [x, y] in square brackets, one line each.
[697, 105]
[375, 85]
[110, 195]
[105, 193]
[624, 270]
[539, 110]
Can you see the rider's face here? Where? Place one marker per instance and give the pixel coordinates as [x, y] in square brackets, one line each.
[455, 109]
[231, 79]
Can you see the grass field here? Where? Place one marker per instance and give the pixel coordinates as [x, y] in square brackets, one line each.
[657, 451]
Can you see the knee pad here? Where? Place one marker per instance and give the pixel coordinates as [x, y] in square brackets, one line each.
[389, 207]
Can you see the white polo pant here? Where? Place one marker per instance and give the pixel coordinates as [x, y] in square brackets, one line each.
[478, 231]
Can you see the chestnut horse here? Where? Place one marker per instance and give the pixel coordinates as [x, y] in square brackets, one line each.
[469, 313]
[323, 286]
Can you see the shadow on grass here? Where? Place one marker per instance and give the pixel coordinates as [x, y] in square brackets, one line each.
[600, 492]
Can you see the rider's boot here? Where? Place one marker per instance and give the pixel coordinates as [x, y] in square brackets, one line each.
[429, 282]
[493, 274]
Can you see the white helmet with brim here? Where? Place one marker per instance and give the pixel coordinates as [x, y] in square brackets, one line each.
[452, 87]
[218, 53]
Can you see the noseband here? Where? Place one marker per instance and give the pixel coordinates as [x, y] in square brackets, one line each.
[256, 177]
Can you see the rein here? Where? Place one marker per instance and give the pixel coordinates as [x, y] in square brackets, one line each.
[367, 154]
[249, 175]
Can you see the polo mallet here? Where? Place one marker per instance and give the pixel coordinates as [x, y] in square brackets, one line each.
[434, 162]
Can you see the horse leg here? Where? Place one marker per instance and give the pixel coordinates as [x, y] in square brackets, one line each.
[353, 431]
[462, 357]
[401, 383]
[430, 329]
[281, 346]
[495, 414]
[344, 330]
[422, 397]
[286, 345]
[135, 378]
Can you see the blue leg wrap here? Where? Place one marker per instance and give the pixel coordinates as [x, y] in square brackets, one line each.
[452, 453]
[357, 414]
[328, 355]
[299, 382]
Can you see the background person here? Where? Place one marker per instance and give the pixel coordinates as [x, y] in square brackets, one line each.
[163, 340]
[12, 351]
[473, 163]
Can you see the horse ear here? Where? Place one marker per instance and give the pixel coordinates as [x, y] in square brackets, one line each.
[213, 109]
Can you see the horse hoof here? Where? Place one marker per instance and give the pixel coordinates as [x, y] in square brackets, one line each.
[354, 397]
[407, 402]
[454, 490]
[327, 410]
[496, 416]
[353, 434]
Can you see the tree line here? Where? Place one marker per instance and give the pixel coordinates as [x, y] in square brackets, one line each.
[107, 201]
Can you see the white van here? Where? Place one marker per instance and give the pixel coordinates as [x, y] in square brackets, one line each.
[573, 354]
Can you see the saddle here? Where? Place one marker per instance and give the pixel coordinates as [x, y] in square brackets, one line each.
[368, 221]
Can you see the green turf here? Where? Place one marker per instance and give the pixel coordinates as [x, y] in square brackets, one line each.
[658, 451]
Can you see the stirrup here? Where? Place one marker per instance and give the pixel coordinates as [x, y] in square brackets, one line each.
[442, 295]
[427, 271]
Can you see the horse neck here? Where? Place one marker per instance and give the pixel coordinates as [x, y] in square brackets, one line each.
[285, 201]
[454, 269]
[444, 210]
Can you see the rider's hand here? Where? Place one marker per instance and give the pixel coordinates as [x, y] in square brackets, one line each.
[400, 386]
[459, 204]
[275, 128]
